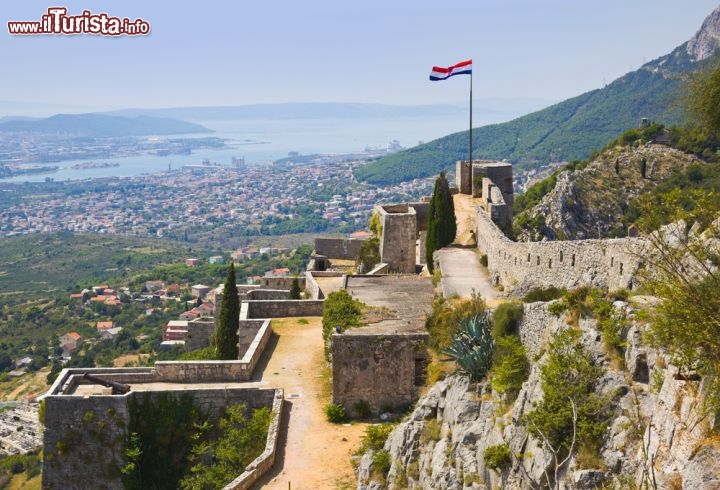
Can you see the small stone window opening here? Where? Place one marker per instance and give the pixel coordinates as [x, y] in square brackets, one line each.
[549, 263]
[612, 261]
[573, 260]
[537, 262]
[621, 267]
[561, 255]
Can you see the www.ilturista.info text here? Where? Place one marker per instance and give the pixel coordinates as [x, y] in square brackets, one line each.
[56, 21]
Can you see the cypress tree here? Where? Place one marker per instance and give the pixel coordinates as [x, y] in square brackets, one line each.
[295, 289]
[225, 341]
[442, 227]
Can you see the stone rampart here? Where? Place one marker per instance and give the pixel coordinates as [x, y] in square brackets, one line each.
[247, 332]
[85, 436]
[200, 332]
[421, 214]
[312, 285]
[280, 283]
[281, 309]
[268, 294]
[338, 248]
[610, 263]
[381, 370]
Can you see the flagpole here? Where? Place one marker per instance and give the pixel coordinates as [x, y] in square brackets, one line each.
[470, 135]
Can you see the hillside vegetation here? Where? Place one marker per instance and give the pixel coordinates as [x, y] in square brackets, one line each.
[566, 131]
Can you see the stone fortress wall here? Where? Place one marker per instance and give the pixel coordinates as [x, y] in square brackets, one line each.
[606, 263]
[85, 436]
[611, 263]
[385, 371]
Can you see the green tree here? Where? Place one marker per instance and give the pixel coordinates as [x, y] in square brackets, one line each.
[295, 289]
[703, 99]
[685, 277]
[339, 311]
[442, 225]
[570, 410]
[368, 255]
[238, 440]
[225, 340]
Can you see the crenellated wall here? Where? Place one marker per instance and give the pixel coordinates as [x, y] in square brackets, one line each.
[610, 263]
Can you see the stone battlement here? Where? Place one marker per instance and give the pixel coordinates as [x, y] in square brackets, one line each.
[609, 263]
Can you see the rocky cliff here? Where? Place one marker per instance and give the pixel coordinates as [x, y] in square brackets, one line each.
[658, 435]
[590, 202]
[707, 39]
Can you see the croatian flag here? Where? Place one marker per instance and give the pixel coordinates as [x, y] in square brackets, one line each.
[462, 68]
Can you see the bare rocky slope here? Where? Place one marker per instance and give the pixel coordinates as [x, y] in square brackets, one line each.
[589, 203]
[657, 436]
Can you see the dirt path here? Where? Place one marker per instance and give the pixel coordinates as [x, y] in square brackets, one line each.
[465, 217]
[315, 454]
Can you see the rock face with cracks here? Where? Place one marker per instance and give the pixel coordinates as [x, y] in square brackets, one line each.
[658, 433]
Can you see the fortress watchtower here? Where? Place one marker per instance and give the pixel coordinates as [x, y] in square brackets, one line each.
[492, 182]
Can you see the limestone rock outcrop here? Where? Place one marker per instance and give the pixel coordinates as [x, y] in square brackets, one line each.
[707, 40]
[590, 202]
[658, 432]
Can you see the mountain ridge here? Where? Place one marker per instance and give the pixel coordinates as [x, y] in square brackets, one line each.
[570, 129]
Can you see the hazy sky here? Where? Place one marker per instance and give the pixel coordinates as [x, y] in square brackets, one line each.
[230, 53]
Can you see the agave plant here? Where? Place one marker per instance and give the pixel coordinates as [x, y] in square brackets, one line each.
[472, 346]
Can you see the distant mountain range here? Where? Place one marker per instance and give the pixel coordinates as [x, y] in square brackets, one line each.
[570, 129]
[100, 125]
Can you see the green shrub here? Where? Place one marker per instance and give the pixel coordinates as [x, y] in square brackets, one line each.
[510, 366]
[497, 457]
[381, 462]
[557, 308]
[335, 413]
[621, 294]
[204, 354]
[506, 319]
[368, 255]
[339, 310]
[219, 454]
[442, 322]
[361, 409]
[543, 294]
[431, 431]
[484, 260]
[569, 375]
[375, 437]
[472, 347]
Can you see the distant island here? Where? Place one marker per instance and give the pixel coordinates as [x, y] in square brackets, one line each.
[101, 125]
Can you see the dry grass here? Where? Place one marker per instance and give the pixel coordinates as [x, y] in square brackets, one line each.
[28, 384]
[20, 482]
[130, 360]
